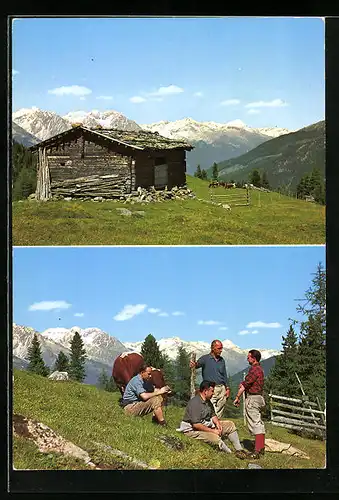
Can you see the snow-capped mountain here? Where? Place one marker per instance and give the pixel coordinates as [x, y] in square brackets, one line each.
[214, 142]
[99, 347]
[42, 124]
[98, 344]
[107, 119]
[235, 357]
[22, 136]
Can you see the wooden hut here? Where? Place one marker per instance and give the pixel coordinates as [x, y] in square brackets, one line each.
[87, 162]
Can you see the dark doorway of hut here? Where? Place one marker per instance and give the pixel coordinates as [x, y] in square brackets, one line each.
[160, 173]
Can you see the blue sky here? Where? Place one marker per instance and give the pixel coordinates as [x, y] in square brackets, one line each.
[244, 294]
[263, 71]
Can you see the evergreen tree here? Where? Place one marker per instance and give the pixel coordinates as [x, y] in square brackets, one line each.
[25, 184]
[197, 173]
[34, 356]
[203, 175]
[182, 386]
[312, 344]
[103, 379]
[111, 385]
[23, 158]
[264, 181]
[151, 353]
[169, 371]
[282, 379]
[215, 172]
[61, 363]
[77, 369]
[254, 178]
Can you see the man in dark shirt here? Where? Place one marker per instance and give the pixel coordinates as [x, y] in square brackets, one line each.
[253, 386]
[200, 422]
[214, 369]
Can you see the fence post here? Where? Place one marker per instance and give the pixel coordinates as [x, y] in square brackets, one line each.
[193, 358]
[303, 392]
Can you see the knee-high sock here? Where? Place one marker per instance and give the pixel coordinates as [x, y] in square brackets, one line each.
[234, 438]
[259, 442]
[224, 447]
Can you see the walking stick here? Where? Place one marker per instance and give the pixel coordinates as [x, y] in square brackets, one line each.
[193, 358]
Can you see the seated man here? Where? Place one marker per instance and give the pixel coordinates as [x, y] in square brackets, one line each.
[201, 422]
[141, 398]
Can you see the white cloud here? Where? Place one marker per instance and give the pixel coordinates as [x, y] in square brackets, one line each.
[49, 305]
[105, 97]
[77, 90]
[222, 328]
[243, 332]
[153, 310]
[208, 322]
[262, 324]
[129, 311]
[163, 314]
[275, 103]
[198, 94]
[178, 313]
[169, 90]
[255, 331]
[253, 111]
[230, 102]
[82, 98]
[137, 99]
[14, 72]
[79, 315]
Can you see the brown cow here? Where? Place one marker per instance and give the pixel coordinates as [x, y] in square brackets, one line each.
[127, 365]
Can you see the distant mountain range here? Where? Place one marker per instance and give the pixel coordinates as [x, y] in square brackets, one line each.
[267, 365]
[285, 159]
[213, 142]
[22, 136]
[102, 349]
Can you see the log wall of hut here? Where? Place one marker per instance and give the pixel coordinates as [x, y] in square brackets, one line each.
[175, 160]
[84, 168]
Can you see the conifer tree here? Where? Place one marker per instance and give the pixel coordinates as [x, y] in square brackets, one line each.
[215, 172]
[264, 181]
[77, 369]
[182, 386]
[282, 379]
[61, 363]
[34, 356]
[197, 173]
[111, 385]
[103, 379]
[169, 370]
[255, 178]
[203, 175]
[151, 353]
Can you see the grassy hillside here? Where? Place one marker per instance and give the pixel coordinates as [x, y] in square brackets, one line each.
[271, 219]
[285, 159]
[84, 414]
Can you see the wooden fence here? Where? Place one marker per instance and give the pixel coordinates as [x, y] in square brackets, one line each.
[233, 197]
[298, 414]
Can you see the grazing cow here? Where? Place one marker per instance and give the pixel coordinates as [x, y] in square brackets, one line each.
[213, 184]
[127, 365]
[229, 185]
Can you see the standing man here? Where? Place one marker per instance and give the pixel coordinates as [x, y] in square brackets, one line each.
[214, 369]
[141, 398]
[201, 422]
[253, 386]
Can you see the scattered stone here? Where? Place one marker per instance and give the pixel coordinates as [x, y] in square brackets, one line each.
[68, 199]
[58, 376]
[172, 442]
[124, 211]
[98, 198]
[32, 196]
[139, 213]
[254, 466]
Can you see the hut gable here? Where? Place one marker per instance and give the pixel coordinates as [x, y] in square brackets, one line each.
[88, 162]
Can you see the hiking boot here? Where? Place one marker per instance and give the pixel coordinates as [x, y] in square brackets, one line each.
[257, 454]
[240, 454]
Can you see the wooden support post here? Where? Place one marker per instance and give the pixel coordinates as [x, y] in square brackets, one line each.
[193, 358]
[243, 401]
[303, 392]
[322, 416]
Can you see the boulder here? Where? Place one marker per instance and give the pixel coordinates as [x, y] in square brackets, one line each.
[58, 376]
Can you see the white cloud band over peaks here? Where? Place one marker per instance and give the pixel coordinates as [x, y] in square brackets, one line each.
[129, 311]
[76, 90]
[262, 324]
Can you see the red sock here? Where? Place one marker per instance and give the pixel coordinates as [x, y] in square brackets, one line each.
[259, 442]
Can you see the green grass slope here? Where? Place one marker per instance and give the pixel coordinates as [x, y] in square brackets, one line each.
[285, 159]
[271, 219]
[84, 414]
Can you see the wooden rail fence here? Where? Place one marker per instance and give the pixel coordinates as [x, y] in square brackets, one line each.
[233, 197]
[301, 414]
